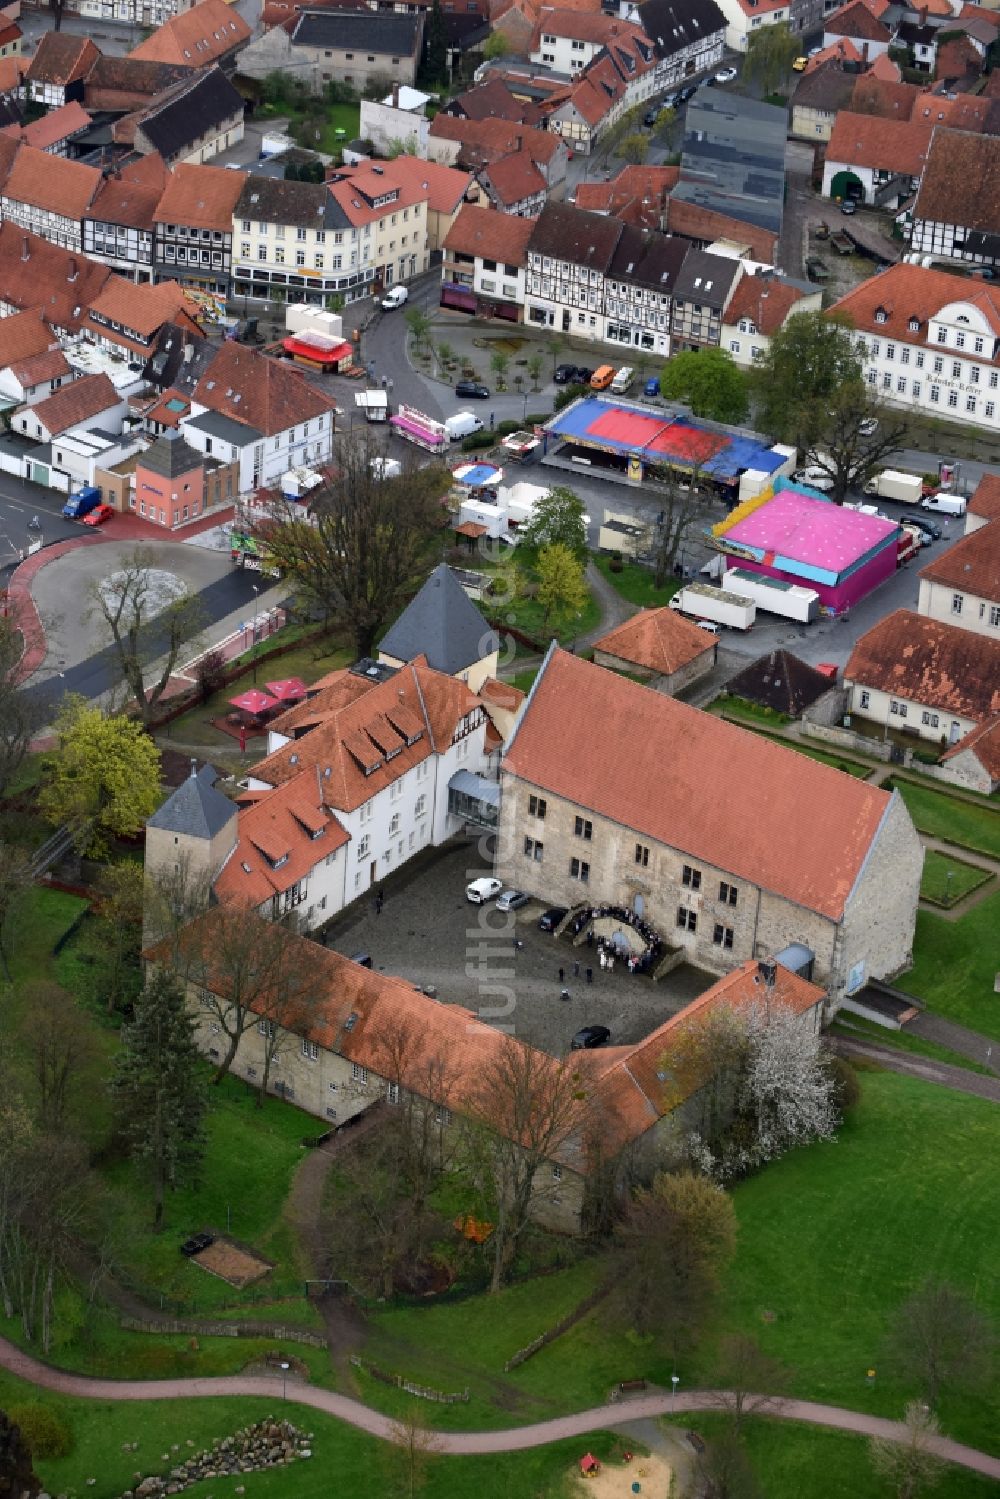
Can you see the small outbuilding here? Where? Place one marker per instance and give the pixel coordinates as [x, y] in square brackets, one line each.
[780, 681]
[661, 648]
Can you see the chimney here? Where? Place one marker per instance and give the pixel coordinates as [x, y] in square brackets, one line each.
[25, 247]
[194, 767]
[74, 269]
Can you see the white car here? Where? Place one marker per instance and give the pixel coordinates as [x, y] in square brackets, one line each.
[482, 890]
[726, 75]
[815, 478]
[869, 426]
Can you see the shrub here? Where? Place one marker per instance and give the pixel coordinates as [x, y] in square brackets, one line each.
[616, 565]
[846, 1088]
[537, 419]
[477, 441]
[570, 393]
[46, 1432]
[507, 426]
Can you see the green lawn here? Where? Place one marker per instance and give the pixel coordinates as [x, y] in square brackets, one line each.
[635, 583]
[247, 1171]
[344, 1461]
[42, 919]
[345, 117]
[801, 1462]
[528, 615]
[525, 680]
[825, 757]
[949, 818]
[946, 881]
[754, 713]
[955, 963]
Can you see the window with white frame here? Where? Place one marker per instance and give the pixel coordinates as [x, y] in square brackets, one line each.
[310, 1050]
[359, 1074]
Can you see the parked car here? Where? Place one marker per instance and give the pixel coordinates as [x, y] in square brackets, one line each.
[687, 92]
[512, 900]
[800, 64]
[709, 625]
[869, 426]
[671, 101]
[472, 390]
[929, 527]
[550, 919]
[583, 375]
[848, 207]
[651, 116]
[99, 515]
[815, 478]
[652, 386]
[565, 374]
[589, 1037]
[726, 75]
[196, 1244]
[483, 889]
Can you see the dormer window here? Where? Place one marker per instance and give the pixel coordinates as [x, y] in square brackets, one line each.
[914, 325]
[881, 316]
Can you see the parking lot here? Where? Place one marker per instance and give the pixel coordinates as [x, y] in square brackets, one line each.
[429, 933]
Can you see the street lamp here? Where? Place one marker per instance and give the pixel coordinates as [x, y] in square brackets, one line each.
[675, 1381]
[284, 1379]
[256, 590]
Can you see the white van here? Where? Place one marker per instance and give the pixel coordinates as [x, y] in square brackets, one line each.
[944, 504]
[395, 298]
[462, 424]
[623, 380]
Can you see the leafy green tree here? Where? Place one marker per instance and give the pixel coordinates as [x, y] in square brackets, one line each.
[770, 53]
[104, 776]
[496, 47]
[558, 516]
[634, 148]
[418, 323]
[114, 937]
[436, 45]
[19, 716]
[534, 368]
[159, 1088]
[562, 588]
[709, 382]
[499, 363]
[807, 362]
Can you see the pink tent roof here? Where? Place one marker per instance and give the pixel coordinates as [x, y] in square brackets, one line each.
[254, 701]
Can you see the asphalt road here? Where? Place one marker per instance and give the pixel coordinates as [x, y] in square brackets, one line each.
[21, 503]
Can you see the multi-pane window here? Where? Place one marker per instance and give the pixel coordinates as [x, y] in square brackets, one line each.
[642, 855]
[533, 849]
[310, 1051]
[687, 920]
[583, 828]
[579, 869]
[728, 894]
[722, 936]
[359, 1074]
[691, 877]
[536, 806]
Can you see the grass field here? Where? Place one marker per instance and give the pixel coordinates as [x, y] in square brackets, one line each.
[946, 881]
[635, 583]
[753, 713]
[799, 1462]
[947, 817]
[955, 964]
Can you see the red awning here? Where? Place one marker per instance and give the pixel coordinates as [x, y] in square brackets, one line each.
[290, 690]
[254, 701]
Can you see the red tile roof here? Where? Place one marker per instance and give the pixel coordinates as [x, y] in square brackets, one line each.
[443, 187]
[261, 392]
[984, 743]
[54, 183]
[24, 335]
[887, 98]
[961, 181]
[58, 125]
[972, 564]
[888, 303]
[658, 640]
[488, 233]
[937, 665]
[41, 368]
[204, 197]
[514, 179]
[856, 20]
[281, 837]
[196, 37]
[59, 283]
[780, 821]
[705, 225]
[884, 67]
[357, 188]
[76, 403]
[62, 58]
[886, 145]
[130, 195]
[843, 50]
[636, 196]
[140, 308]
[365, 742]
[765, 300]
[12, 71]
[985, 500]
[485, 140]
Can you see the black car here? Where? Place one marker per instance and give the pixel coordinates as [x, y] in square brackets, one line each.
[929, 527]
[196, 1244]
[848, 207]
[687, 92]
[550, 919]
[583, 375]
[472, 390]
[651, 116]
[589, 1037]
[565, 374]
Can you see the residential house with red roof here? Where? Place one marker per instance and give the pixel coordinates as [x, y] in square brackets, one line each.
[660, 648]
[194, 226]
[55, 131]
[984, 506]
[88, 402]
[961, 586]
[35, 273]
[930, 341]
[637, 196]
[876, 161]
[858, 22]
[118, 225]
[59, 68]
[125, 318]
[484, 262]
[49, 195]
[820, 94]
[688, 36]
[975, 760]
[743, 17]
[207, 33]
[32, 363]
[386, 205]
[956, 215]
[924, 677]
[615, 794]
[760, 305]
[261, 411]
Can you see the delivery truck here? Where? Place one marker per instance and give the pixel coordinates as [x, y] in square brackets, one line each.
[790, 600]
[892, 484]
[702, 601]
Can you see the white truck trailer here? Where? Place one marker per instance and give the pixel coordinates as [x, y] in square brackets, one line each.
[701, 601]
[772, 595]
[892, 484]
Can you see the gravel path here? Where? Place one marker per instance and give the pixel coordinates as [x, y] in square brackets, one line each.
[924, 1068]
[469, 1442]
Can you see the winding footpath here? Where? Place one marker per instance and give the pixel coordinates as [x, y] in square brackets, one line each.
[463, 1443]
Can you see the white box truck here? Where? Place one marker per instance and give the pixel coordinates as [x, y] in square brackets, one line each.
[701, 601]
[773, 596]
[892, 484]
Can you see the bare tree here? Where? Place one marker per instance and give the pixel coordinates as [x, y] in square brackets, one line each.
[424, 1090]
[910, 1466]
[366, 542]
[285, 1005]
[60, 1044]
[682, 501]
[408, 1458]
[725, 1470]
[15, 882]
[16, 1131]
[145, 624]
[114, 939]
[942, 1339]
[172, 899]
[20, 715]
[749, 1378]
[526, 1110]
[854, 437]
